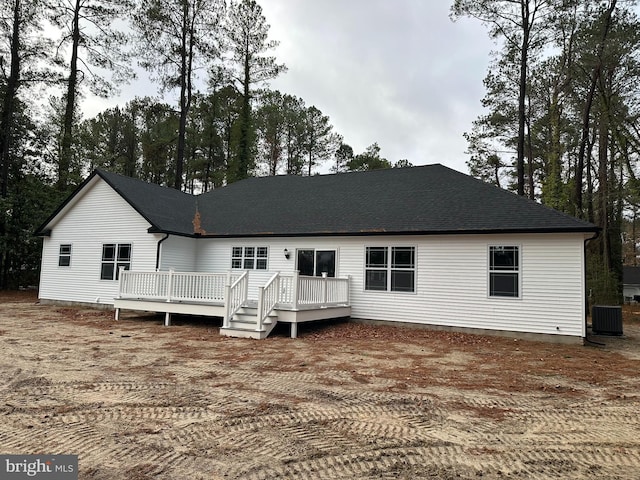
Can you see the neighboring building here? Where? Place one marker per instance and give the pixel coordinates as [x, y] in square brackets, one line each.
[422, 245]
[631, 283]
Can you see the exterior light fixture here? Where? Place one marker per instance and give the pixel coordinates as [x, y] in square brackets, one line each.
[287, 254]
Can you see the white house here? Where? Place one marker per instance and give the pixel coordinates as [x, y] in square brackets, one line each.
[423, 245]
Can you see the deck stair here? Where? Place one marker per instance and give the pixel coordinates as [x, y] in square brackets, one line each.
[244, 322]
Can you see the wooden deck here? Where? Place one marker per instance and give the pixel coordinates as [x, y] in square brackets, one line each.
[288, 298]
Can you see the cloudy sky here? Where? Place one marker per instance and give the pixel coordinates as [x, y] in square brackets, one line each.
[396, 72]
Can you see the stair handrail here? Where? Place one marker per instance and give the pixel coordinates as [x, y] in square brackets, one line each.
[268, 296]
[235, 295]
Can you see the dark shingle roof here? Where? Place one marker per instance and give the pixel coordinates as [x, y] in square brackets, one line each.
[166, 209]
[431, 199]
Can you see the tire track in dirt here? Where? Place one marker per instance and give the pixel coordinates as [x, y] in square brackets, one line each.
[179, 412]
[383, 430]
[134, 413]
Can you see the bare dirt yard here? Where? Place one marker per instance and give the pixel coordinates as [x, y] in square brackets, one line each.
[136, 400]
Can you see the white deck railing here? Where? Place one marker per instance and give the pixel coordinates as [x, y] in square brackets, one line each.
[173, 286]
[236, 293]
[291, 290]
[268, 297]
[313, 292]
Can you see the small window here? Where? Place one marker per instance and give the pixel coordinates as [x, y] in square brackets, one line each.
[504, 271]
[64, 257]
[114, 257]
[249, 258]
[390, 269]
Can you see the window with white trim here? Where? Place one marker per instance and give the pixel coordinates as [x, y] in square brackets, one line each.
[504, 271]
[390, 269]
[249, 258]
[114, 256]
[64, 257]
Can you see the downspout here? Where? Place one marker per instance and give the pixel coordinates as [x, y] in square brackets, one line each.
[586, 293]
[158, 250]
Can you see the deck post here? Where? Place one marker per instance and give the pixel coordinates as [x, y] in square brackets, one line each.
[294, 329]
[117, 314]
[167, 319]
[294, 289]
[324, 289]
[260, 306]
[120, 282]
[227, 301]
[170, 285]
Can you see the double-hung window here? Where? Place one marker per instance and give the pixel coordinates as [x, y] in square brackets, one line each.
[114, 256]
[390, 269]
[64, 257]
[249, 258]
[504, 271]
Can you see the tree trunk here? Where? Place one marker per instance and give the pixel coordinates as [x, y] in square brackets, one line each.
[524, 52]
[586, 114]
[8, 102]
[552, 185]
[603, 193]
[245, 128]
[64, 163]
[590, 209]
[182, 126]
[8, 111]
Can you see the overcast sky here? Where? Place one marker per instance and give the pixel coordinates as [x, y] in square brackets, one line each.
[396, 72]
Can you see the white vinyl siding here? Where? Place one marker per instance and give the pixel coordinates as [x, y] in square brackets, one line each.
[179, 254]
[100, 216]
[215, 255]
[450, 279]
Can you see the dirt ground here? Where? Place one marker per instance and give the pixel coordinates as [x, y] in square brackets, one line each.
[136, 400]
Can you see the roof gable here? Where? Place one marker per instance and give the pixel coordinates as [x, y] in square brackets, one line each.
[166, 209]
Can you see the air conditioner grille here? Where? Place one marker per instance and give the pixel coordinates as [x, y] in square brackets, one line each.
[606, 320]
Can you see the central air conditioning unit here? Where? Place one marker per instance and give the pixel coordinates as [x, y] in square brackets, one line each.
[606, 320]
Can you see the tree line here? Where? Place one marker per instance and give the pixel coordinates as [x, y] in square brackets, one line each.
[562, 115]
[233, 128]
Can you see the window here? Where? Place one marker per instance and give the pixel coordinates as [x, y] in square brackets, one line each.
[390, 269]
[114, 256]
[504, 271]
[249, 258]
[64, 259]
[313, 263]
